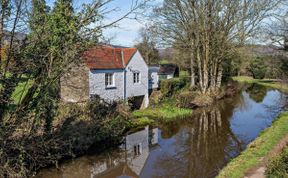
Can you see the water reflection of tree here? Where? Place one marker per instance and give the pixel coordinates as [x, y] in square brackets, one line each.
[213, 143]
[257, 92]
[206, 143]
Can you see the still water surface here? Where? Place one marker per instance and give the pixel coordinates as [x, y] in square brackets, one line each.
[197, 147]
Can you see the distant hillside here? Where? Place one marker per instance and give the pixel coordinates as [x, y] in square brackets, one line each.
[166, 53]
[18, 37]
[262, 50]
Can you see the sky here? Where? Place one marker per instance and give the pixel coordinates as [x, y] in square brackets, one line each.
[126, 32]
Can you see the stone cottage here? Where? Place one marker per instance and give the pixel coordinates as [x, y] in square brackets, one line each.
[112, 73]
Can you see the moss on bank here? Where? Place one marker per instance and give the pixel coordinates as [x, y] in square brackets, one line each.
[257, 149]
[264, 82]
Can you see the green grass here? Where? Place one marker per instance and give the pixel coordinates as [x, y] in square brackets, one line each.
[165, 112]
[259, 148]
[184, 73]
[164, 61]
[143, 121]
[264, 82]
[278, 166]
[20, 90]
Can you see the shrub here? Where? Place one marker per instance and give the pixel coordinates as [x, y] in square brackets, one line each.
[77, 129]
[184, 99]
[170, 86]
[258, 68]
[278, 166]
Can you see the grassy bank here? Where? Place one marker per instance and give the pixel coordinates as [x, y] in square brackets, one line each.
[164, 106]
[264, 82]
[278, 166]
[163, 113]
[257, 149]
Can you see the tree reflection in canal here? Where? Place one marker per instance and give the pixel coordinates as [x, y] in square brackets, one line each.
[198, 146]
[257, 92]
[203, 145]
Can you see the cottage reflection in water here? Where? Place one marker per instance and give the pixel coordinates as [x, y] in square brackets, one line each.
[128, 162]
[132, 161]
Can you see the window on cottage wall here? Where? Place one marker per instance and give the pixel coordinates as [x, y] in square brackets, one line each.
[109, 79]
[136, 77]
[137, 150]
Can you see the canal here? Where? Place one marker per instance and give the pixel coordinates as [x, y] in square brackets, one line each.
[196, 147]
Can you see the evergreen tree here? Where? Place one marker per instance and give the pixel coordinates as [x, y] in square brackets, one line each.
[62, 24]
[39, 15]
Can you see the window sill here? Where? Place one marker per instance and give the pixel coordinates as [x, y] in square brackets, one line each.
[110, 87]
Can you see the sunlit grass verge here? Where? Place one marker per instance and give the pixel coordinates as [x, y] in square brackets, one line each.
[278, 166]
[259, 148]
[20, 90]
[163, 113]
[264, 82]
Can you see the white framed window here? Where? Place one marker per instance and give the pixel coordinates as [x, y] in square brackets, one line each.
[136, 77]
[109, 80]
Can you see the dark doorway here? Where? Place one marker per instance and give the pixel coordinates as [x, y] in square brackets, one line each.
[135, 102]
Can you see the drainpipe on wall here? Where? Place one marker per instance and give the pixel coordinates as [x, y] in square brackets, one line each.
[124, 81]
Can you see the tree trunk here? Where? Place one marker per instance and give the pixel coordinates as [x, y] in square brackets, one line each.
[286, 44]
[1, 35]
[205, 67]
[147, 58]
[219, 76]
[212, 75]
[192, 71]
[200, 71]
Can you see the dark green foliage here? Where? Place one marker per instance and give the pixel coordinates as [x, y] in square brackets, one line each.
[284, 67]
[98, 109]
[258, 68]
[278, 166]
[39, 16]
[170, 86]
[62, 26]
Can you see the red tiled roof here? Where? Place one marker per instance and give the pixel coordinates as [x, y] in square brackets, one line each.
[106, 57]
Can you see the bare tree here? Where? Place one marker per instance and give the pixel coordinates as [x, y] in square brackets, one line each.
[147, 46]
[278, 31]
[210, 30]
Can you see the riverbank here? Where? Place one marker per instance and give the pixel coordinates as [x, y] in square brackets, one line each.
[163, 104]
[277, 166]
[272, 83]
[165, 112]
[251, 160]
[257, 150]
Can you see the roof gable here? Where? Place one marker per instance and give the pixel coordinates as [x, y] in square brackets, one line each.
[106, 57]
